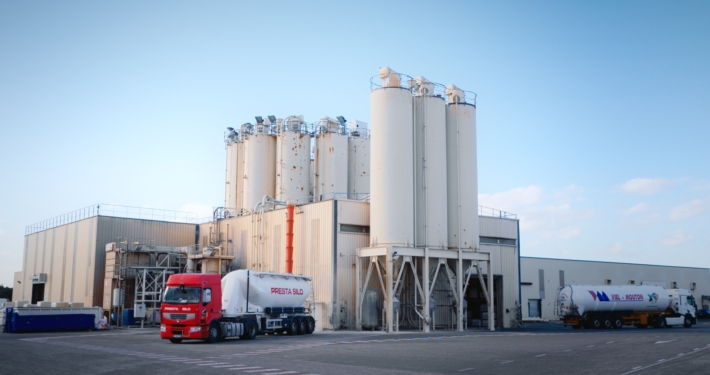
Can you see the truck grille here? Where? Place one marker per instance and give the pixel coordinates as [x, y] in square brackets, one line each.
[178, 316]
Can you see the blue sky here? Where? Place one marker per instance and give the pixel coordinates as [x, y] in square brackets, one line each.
[592, 120]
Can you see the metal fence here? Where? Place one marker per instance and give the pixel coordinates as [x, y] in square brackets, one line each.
[492, 212]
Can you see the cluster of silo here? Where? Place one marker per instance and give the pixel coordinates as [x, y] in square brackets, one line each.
[424, 179]
[292, 160]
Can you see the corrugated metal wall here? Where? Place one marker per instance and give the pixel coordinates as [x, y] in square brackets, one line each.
[498, 227]
[353, 213]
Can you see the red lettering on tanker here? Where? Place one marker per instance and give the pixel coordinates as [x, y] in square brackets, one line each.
[292, 291]
[634, 297]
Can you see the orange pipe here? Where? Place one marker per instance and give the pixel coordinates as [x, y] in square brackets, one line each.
[289, 238]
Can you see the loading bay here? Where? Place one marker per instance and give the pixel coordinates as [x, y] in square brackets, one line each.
[537, 349]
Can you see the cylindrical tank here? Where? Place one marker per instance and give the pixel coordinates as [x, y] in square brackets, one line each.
[331, 159]
[293, 161]
[234, 184]
[392, 163]
[430, 164]
[259, 165]
[581, 299]
[262, 289]
[358, 164]
[461, 170]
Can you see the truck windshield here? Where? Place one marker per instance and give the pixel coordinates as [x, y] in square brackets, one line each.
[181, 294]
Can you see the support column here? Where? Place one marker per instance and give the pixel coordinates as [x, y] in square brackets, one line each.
[425, 274]
[459, 291]
[358, 292]
[390, 291]
[491, 304]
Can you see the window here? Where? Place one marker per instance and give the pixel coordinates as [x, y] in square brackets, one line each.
[607, 282]
[632, 282]
[674, 285]
[352, 228]
[181, 294]
[534, 308]
[497, 241]
[692, 286]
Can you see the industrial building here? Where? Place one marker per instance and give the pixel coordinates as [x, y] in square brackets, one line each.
[542, 278]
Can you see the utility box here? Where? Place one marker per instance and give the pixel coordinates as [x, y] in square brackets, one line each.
[139, 311]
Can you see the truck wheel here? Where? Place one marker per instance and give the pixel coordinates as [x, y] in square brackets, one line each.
[250, 330]
[661, 323]
[214, 333]
[617, 322]
[176, 341]
[597, 322]
[311, 325]
[606, 322]
[302, 325]
[292, 329]
[687, 322]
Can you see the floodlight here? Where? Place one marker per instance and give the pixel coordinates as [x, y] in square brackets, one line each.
[341, 120]
[230, 129]
[259, 119]
[272, 118]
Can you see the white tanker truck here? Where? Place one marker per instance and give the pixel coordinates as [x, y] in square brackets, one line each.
[243, 304]
[606, 306]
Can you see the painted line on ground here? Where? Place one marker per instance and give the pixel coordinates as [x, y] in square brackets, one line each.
[661, 361]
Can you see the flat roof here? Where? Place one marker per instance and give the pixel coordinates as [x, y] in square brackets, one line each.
[628, 264]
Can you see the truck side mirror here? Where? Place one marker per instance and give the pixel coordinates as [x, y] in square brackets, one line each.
[206, 296]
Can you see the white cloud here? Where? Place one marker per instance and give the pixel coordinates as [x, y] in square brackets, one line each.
[612, 250]
[568, 232]
[689, 209]
[674, 238]
[2, 232]
[201, 210]
[638, 209]
[645, 186]
[512, 199]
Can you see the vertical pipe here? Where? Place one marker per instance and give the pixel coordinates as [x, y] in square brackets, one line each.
[491, 304]
[459, 291]
[390, 291]
[289, 238]
[425, 274]
[358, 292]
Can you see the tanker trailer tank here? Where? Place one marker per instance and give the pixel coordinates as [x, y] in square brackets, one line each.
[248, 291]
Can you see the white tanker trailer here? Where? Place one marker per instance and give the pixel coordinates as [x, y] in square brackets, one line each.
[608, 306]
[243, 304]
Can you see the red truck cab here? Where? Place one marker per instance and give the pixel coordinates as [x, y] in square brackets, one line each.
[191, 307]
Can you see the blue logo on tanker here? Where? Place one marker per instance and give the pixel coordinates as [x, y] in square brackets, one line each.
[602, 297]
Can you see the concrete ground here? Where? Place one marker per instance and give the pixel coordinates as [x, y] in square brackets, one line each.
[537, 349]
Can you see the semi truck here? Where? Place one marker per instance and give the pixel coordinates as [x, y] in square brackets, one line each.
[607, 306]
[242, 304]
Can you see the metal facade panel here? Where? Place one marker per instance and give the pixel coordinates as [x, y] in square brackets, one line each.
[504, 262]
[498, 227]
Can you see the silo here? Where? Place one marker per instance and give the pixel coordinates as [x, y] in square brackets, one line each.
[293, 161]
[430, 164]
[462, 174]
[230, 189]
[392, 163]
[331, 159]
[358, 163]
[259, 164]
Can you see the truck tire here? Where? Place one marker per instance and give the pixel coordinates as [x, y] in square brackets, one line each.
[687, 322]
[214, 333]
[250, 330]
[661, 323]
[292, 328]
[606, 322]
[617, 322]
[597, 322]
[176, 341]
[302, 325]
[311, 325]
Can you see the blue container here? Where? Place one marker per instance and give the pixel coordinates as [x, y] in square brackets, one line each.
[34, 323]
[128, 319]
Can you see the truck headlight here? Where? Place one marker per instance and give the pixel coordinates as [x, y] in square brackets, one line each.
[163, 328]
[195, 329]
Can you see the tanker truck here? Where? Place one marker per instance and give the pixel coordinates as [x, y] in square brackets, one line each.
[243, 304]
[606, 306]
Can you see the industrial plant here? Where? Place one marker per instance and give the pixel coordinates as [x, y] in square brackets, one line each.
[383, 216]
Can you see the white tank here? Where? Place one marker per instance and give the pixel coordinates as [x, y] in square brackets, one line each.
[293, 161]
[392, 163]
[581, 299]
[262, 290]
[259, 165]
[234, 185]
[430, 164]
[358, 165]
[461, 169]
[331, 159]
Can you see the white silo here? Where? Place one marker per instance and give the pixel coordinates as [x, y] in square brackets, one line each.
[358, 160]
[293, 161]
[259, 163]
[430, 164]
[230, 186]
[462, 174]
[392, 163]
[331, 159]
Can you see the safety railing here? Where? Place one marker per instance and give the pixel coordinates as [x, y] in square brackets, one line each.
[492, 212]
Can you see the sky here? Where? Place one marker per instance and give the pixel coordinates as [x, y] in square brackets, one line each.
[592, 117]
